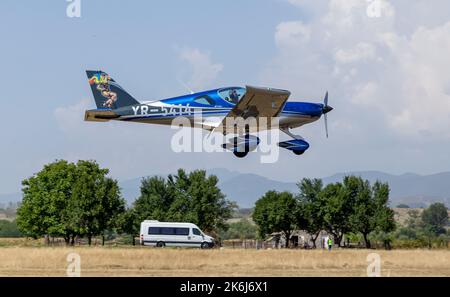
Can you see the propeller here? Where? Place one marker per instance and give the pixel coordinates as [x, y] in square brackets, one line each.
[326, 109]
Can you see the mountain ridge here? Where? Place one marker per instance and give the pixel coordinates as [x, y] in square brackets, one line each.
[413, 189]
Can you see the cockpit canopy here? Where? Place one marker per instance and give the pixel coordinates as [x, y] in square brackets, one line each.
[232, 95]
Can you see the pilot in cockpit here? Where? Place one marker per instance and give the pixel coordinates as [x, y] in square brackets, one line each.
[234, 96]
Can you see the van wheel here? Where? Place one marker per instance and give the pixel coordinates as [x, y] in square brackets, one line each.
[160, 244]
[205, 245]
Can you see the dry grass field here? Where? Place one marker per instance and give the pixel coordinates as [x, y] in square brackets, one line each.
[144, 261]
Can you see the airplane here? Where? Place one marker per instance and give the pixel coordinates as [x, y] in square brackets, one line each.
[216, 108]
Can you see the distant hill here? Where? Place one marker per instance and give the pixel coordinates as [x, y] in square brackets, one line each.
[411, 189]
[6, 198]
[245, 188]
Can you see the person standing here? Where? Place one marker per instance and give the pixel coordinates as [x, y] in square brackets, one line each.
[330, 243]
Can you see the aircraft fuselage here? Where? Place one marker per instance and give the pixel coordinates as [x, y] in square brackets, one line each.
[212, 108]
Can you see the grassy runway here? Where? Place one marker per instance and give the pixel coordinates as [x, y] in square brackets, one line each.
[140, 261]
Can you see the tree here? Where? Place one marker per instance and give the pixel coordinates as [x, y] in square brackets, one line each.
[435, 218]
[96, 202]
[192, 197]
[242, 229]
[9, 229]
[275, 212]
[356, 206]
[402, 205]
[199, 199]
[67, 199]
[308, 214]
[384, 215]
[129, 223]
[363, 217]
[45, 205]
[336, 211]
[155, 199]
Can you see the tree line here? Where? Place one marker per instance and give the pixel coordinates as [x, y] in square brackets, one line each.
[350, 206]
[354, 208]
[74, 200]
[425, 228]
[79, 200]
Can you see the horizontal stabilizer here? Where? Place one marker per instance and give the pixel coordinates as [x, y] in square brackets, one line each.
[97, 115]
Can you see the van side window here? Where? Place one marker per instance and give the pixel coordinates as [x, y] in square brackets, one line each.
[167, 231]
[196, 231]
[153, 231]
[181, 231]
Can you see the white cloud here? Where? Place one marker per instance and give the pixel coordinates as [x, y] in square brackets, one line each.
[291, 34]
[362, 51]
[394, 76]
[203, 70]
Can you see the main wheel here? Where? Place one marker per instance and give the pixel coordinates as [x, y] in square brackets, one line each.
[298, 152]
[160, 244]
[240, 154]
[205, 245]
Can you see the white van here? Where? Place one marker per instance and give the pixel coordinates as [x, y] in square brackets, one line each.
[160, 234]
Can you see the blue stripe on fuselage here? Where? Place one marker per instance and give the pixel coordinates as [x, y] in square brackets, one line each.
[290, 108]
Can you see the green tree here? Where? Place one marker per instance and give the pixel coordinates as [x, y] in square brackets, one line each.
[199, 199]
[362, 218]
[129, 223]
[155, 199]
[308, 214]
[384, 215]
[435, 218]
[336, 211]
[193, 197]
[96, 201]
[45, 205]
[242, 229]
[66, 199]
[371, 211]
[9, 229]
[275, 212]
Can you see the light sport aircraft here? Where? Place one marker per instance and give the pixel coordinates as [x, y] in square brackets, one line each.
[216, 108]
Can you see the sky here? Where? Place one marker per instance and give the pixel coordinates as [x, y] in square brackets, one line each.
[384, 63]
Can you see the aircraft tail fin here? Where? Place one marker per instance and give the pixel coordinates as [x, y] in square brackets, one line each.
[107, 93]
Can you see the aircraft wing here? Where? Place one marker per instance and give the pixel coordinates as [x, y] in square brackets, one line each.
[257, 103]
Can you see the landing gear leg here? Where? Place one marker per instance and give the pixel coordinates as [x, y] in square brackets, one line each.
[286, 130]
